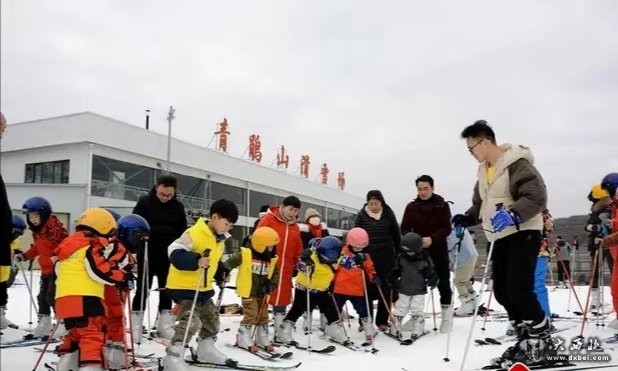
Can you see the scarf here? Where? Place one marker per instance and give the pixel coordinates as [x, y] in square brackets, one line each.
[315, 230]
[375, 216]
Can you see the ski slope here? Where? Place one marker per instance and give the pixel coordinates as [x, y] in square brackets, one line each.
[426, 354]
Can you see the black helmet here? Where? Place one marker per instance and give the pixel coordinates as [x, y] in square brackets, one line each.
[411, 242]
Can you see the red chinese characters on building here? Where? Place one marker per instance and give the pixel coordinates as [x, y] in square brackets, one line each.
[223, 132]
[304, 166]
[255, 145]
[283, 159]
[324, 173]
[341, 180]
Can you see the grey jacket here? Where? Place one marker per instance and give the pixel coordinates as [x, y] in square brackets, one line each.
[517, 184]
[413, 274]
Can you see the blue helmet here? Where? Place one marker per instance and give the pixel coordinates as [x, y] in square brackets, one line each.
[19, 226]
[610, 183]
[132, 229]
[328, 249]
[37, 205]
[114, 214]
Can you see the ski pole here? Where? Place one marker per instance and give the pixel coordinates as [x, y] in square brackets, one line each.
[476, 309]
[31, 284]
[388, 309]
[601, 288]
[369, 321]
[309, 314]
[147, 270]
[142, 293]
[263, 303]
[200, 280]
[33, 304]
[128, 301]
[338, 313]
[585, 312]
[49, 339]
[433, 308]
[568, 275]
[459, 242]
[486, 314]
[124, 342]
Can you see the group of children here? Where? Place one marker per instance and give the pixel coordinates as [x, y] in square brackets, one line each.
[86, 278]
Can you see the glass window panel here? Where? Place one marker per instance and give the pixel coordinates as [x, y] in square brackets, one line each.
[37, 173]
[29, 173]
[257, 199]
[229, 192]
[333, 218]
[64, 177]
[57, 172]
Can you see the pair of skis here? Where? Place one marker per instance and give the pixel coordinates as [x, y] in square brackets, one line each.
[26, 343]
[405, 341]
[263, 353]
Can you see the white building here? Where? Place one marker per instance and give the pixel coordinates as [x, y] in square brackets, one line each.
[85, 159]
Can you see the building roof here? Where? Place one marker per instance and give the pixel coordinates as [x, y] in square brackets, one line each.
[102, 130]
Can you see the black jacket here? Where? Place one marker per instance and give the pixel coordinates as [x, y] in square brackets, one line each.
[6, 226]
[384, 237]
[167, 222]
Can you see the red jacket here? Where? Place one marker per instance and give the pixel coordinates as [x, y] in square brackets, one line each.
[350, 281]
[289, 249]
[45, 242]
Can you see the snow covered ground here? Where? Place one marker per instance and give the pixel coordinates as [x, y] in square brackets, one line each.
[426, 354]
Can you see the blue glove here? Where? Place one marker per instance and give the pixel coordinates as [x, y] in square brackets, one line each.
[459, 230]
[348, 262]
[504, 218]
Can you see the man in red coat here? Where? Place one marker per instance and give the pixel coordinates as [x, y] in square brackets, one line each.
[283, 219]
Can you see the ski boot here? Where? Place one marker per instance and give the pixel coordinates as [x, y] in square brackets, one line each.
[165, 325]
[336, 332]
[262, 340]
[538, 347]
[206, 351]
[506, 359]
[244, 338]
[447, 319]
[173, 360]
[283, 333]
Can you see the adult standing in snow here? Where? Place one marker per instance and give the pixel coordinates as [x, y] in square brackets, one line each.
[283, 219]
[6, 223]
[430, 217]
[167, 219]
[509, 198]
[378, 219]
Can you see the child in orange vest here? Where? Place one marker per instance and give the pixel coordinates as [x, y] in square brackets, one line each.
[83, 272]
[349, 283]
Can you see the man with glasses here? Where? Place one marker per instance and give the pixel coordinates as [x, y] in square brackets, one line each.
[167, 219]
[509, 198]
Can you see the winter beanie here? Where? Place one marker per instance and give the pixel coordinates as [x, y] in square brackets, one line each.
[311, 212]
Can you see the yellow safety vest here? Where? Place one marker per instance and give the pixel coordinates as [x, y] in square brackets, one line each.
[244, 280]
[321, 276]
[74, 280]
[202, 239]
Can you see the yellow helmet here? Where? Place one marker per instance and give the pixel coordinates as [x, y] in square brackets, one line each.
[598, 192]
[264, 237]
[99, 220]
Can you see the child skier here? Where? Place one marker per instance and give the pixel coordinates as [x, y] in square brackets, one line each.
[195, 258]
[255, 281]
[47, 233]
[83, 272]
[18, 228]
[461, 248]
[316, 269]
[132, 230]
[412, 274]
[349, 284]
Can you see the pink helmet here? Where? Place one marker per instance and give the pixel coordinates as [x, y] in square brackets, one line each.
[357, 237]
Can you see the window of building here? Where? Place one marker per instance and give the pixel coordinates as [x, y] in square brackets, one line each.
[121, 180]
[235, 194]
[258, 199]
[333, 218]
[55, 172]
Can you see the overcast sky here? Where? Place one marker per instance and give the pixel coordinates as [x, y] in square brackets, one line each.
[378, 89]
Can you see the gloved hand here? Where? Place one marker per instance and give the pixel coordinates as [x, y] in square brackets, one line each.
[305, 256]
[222, 275]
[348, 262]
[459, 231]
[593, 228]
[129, 282]
[19, 255]
[359, 259]
[503, 219]
[393, 278]
[463, 220]
[432, 282]
[268, 286]
[376, 280]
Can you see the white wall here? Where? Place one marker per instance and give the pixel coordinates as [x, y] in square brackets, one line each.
[14, 163]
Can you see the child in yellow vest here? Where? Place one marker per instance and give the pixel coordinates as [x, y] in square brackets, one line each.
[200, 247]
[316, 271]
[256, 279]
